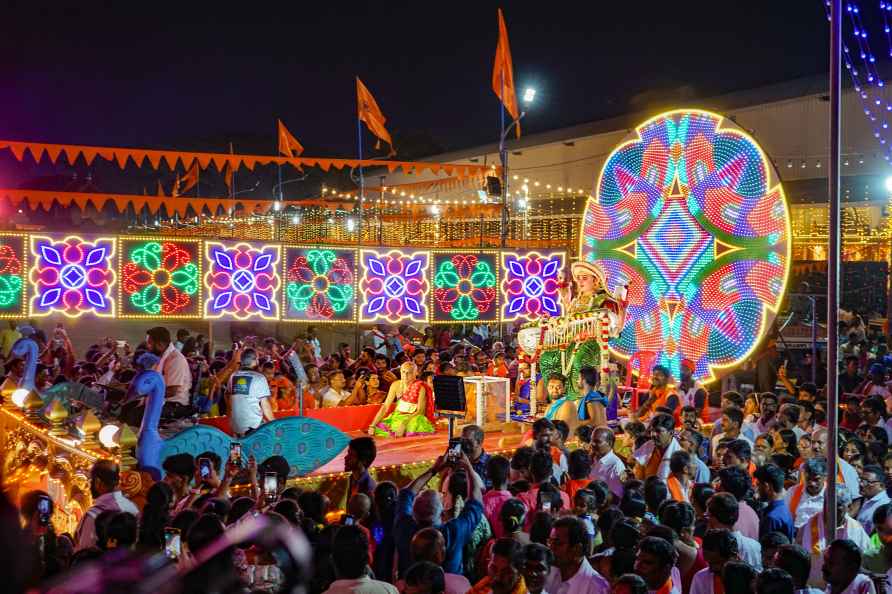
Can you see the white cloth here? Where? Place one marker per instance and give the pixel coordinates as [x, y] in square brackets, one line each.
[851, 530]
[860, 585]
[332, 397]
[610, 470]
[702, 582]
[85, 536]
[642, 455]
[363, 585]
[457, 584]
[585, 581]
[809, 505]
[248, 388]
[749, 550]
[865, 515]
[174, 368]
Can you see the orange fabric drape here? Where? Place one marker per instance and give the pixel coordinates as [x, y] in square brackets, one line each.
[73, 152]
[174, 204]
[503, 74]
[369, 112]
[288, 144]
[188, 181]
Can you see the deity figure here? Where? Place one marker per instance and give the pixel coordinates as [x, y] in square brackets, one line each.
[414, 410]
[585, 398]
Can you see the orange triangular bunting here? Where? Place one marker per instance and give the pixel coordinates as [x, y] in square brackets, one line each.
[249, 162]
[17, 149]
[391, 167]
[203, 160]
[154, 158]
[36, 151]
[52, 151]
[89, 155]
[107, 154]
[121, 158]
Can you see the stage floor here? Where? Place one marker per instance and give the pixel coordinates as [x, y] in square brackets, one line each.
[397, 451]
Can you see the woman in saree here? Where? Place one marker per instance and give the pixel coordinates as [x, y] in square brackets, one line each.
[413, 412]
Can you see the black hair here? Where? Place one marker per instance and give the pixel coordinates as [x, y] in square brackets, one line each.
[608, 519]
[577, 534]
[107, 472]
[742, 449]
[365, 449]
[541, 425]
[584, 433]
[655, 492]
[600, 490]
[735, 399]
[633, 504]
[427, 574]
[497, 468]
[774, 581]
[522, 458]
[123, 528]
[289, 510]
[219, 506]
[579, 464]
[540, 530]
[541, 466]
[679, 461]
[159, 334]
[724, 508]
[509, 549]
[635, 583]
[737, 577]
[512, 515]
[537, 552]
[772, 475]
[179, 464]
[350, 553]
[563, 428]
[205, 530]
[664, 421]
[548, 492]
[774, 539]
[720, 541]
[313, 505]
[659, 548]
[590, 376]
[734, 414]
[796, 561]
[678, 515]
[736, 481]
[277, 464]
[239, 508]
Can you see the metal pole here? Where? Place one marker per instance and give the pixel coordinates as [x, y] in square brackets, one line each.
[833, 256]
[361, 182]
[814, 341]
[503, 158]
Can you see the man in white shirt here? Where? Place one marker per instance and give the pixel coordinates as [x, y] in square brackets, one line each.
[873, 487]
[723, 512]
[719, 547]
[813, 538]
[106, 497]
[842, 567]
[571, 573]
[807, 498]
[606, 465]
[248, 396]
[652, 458]
[336, 392]
[350, 555]
[173, 367]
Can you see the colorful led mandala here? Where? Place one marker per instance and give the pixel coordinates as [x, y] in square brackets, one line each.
[242, 281]
[319, 284]
[530, 285]
[11, 278]
[72, 276]
[690, 215]
[464, 287]
[160, 277]
[394, 286]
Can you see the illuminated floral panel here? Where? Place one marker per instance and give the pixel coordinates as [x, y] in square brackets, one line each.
[394, 286]
[691, 216]
[465, 287]
[530, 285]
[320, 284]
[12, 274]
[241, 281]
[160, 277]
[72, 276]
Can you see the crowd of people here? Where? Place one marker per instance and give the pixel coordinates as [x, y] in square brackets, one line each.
[697, 491]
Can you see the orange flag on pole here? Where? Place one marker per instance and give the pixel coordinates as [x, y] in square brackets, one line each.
[288, 144]
[188, 181]
[503, 73]
[227, 173]
[370, 113]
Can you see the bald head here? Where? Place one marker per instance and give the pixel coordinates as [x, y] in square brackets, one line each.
[428, 544]
[359, 506]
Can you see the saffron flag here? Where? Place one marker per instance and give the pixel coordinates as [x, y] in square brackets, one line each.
[188, 181]
[288, 144]
[227, 173]
[369, 112]
[503, 74]
[159, 191]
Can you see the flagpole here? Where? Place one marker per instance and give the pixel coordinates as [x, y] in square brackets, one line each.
[361, 179]
[503, 157]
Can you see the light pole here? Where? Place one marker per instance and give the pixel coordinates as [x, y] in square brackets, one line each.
[528, 95]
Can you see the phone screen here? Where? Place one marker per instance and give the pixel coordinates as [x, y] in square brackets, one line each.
[235, 453]
[121, 343]
[454, 451]
[270, 485]
[546, 506]
[204, 467]
[348, 520]
[172, 543]
[43, 509]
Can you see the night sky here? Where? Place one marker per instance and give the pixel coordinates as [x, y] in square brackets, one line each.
[174, 76]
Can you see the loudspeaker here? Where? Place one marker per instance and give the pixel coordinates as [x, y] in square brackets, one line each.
[493, 186]
[449, 393]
